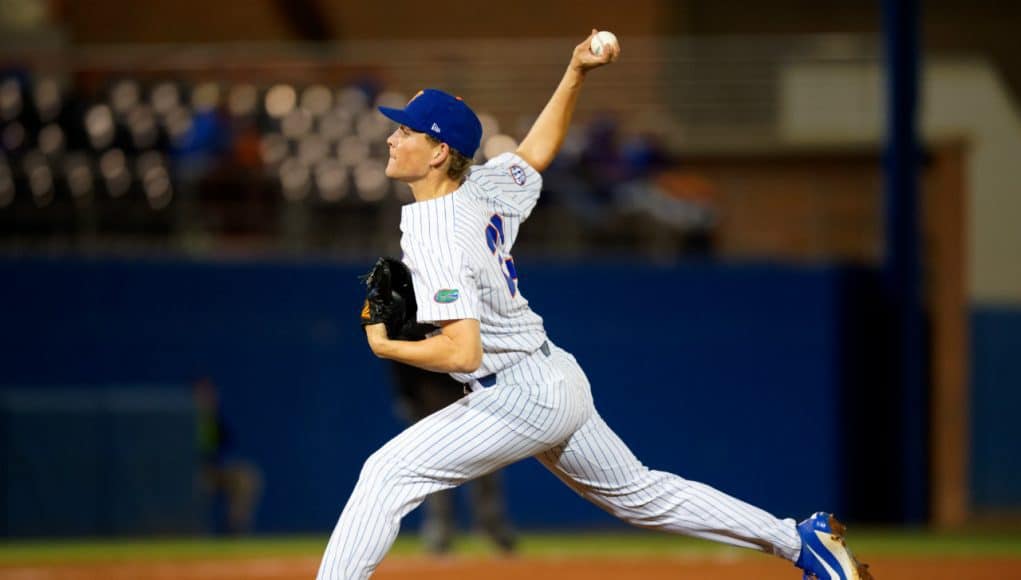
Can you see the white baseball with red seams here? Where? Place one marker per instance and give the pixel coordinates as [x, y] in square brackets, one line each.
[601, 40]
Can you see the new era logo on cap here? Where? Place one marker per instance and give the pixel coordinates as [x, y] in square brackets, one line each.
[432, 109]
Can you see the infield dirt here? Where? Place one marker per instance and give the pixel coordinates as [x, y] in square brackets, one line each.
[420, 568]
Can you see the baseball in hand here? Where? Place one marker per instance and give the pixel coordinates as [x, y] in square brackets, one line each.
[601, 40]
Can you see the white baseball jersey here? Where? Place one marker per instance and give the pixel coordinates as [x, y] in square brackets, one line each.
[458, 248]
[538, 402]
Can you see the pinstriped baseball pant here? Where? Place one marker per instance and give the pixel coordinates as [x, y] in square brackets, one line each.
[541, 407]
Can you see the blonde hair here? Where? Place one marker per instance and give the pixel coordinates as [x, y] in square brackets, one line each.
[459, 164]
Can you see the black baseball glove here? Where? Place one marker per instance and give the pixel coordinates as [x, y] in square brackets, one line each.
[390, 299]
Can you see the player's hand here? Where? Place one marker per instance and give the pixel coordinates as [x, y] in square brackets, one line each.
[583, 60]
[376, 335]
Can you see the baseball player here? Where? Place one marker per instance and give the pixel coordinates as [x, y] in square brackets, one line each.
[528, 397]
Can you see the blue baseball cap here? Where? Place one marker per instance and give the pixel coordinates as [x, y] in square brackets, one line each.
[443, 116]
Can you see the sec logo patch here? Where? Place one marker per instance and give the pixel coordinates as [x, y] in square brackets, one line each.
[518, 174]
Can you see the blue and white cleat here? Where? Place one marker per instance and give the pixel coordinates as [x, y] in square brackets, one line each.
[824, 554]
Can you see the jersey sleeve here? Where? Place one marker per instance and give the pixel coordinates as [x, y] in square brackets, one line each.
[508, 182]
[445, 287]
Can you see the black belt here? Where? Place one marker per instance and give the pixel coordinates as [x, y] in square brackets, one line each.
[490, 380]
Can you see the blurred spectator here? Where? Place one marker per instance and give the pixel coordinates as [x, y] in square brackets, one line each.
[659, 188]
[421, 393]
[231, 485]
[644, 156]
[584, 176]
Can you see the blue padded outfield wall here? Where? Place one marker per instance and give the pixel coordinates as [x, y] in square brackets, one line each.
[731, 375]
[996, 399]
[103, 461]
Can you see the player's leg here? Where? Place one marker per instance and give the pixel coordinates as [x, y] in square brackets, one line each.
[600, 467]
[477, 435]
[244, 486]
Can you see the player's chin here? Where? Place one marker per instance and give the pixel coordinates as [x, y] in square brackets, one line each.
[391, 169]
[395, 171]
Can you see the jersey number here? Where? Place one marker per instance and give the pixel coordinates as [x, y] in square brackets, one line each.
[495, 239]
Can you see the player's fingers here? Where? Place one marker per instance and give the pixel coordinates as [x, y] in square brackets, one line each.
[610, 52]
[605, 57]
[614, 51]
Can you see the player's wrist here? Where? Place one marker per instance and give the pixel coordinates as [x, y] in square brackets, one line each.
[377, 338]
[575, 72]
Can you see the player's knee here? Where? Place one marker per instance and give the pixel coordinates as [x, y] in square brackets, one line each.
[380, 470]
[374, 467]
[641, 514]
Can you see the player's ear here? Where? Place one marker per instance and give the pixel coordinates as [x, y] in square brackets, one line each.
[440, 154]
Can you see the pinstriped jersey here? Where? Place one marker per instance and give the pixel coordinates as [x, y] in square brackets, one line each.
[458, 248]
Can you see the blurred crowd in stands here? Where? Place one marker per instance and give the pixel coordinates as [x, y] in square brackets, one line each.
[207, 166]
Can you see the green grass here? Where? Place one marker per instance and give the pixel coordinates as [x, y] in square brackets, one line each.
[588, 545]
